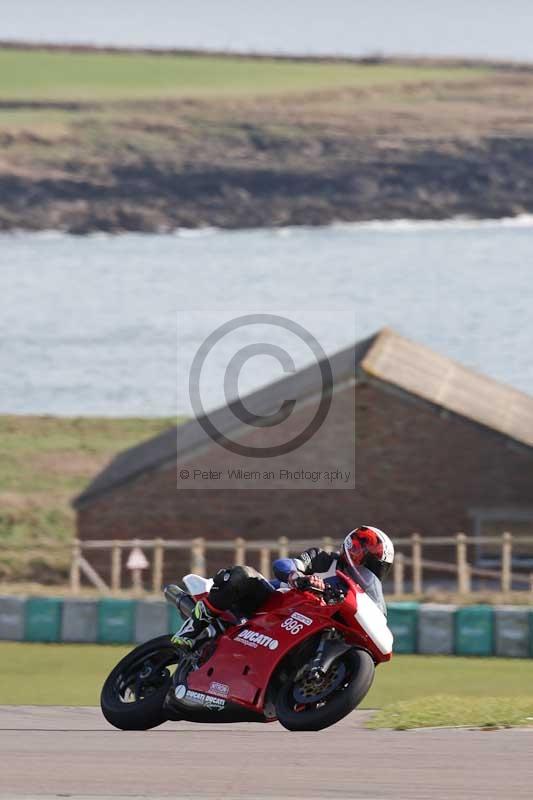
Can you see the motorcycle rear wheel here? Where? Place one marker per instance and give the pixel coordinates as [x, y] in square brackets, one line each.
[295, 716]
[133, 694]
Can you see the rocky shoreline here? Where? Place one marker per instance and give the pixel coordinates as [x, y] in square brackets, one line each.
[447, 179]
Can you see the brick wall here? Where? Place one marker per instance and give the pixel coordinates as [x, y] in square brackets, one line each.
[415, 470]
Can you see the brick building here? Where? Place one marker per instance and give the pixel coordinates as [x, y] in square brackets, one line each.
[431, 447]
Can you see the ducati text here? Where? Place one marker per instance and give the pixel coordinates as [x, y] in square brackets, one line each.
[255, 639]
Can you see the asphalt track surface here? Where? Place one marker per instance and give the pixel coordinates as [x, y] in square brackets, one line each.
[52, 752]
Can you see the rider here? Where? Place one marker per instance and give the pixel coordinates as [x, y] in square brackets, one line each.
[366, 554]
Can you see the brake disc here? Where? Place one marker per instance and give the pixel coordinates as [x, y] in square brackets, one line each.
[313, 689]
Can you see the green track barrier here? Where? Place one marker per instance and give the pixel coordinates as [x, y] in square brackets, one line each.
[43, 619]
[436, 629]
[403, 622]
[511, 631]
[116, 621]
[12, 618]
[474, 631]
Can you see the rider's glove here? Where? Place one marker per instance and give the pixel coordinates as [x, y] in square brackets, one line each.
[298, 581]
[316, 583]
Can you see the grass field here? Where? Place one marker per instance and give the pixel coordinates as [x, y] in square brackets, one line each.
[45, 462]
[411, 690]
[47, 75]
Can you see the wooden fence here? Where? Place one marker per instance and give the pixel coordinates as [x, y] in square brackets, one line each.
[409, 554]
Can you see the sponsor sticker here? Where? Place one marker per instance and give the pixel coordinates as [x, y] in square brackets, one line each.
[195, 697]
[302, 618]
[219, 688]
[256, 639]
[199, 698]
[214, 703]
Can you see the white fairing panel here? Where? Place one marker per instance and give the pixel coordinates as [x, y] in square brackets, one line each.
[374, 623]
[196, 584]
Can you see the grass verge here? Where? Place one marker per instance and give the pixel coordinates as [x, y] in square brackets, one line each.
[450, 710]
[55, 674]
[414, 677]
[427, 691]
[67, 674]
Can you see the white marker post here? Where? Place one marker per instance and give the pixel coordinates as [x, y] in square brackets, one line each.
[136, 562]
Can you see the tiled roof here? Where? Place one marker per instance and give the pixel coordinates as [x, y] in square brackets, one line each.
[420, 371]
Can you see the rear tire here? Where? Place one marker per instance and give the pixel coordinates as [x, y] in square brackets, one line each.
[145, 711]
[361, 670]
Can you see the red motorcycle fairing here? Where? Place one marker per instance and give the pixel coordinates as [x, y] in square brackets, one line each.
[247, 655]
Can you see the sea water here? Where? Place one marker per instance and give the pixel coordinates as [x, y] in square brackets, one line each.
[109, 325]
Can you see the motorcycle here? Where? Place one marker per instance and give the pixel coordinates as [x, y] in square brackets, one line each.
[307, 659]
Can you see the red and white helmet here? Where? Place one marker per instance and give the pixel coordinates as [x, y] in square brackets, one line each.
[369, 547]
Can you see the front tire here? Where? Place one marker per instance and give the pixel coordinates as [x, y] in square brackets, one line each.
[359, 674]
[134, 692]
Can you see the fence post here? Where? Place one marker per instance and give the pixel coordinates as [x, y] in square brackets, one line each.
[416, 543]
[531, 582]
[157, 569]
[507, 557]
[137, 581]
[398, 574]
[283, 547]
[463, 571]
[116, 566]
[75, 577]
[240, 552]
[264, 562]
[198, 556]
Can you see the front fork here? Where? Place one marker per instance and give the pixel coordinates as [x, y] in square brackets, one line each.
[330, 647]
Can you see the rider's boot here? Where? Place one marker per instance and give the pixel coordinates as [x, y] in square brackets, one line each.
[202, 625]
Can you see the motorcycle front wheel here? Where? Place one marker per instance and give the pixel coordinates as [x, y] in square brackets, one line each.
[304, 704]
[134, 692]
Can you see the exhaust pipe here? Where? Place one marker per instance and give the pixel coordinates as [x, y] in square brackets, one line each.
[183, 601]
